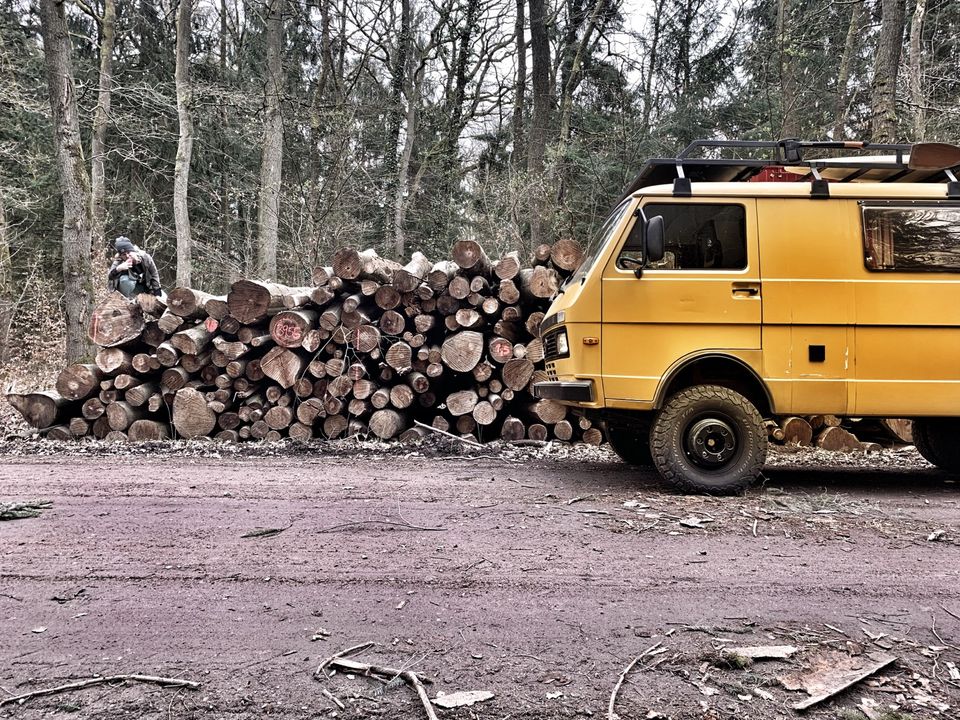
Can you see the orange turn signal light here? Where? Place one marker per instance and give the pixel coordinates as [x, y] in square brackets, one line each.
[591, 341]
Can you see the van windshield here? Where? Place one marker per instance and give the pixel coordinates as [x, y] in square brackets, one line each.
[597, 241]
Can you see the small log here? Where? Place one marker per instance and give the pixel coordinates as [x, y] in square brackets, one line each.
[459, 287]
[321, 275]
[386, 424]
[115, 321]
[288, 327]
[387, 297]
[797, 431]
[79, 427]
[174, 378]
[191, 416]
[407, 278]
[548, 411]
[139, 395]
[563, 430]
[899, 429]
[335, 426]
[441, 274]
[250, 301]
[170, 323]
[93, 408]
[143, 363]
[321, 296]
[399, 356]
[279, 418]
[566, 255]
[192, 341]
[216, 307]
[508, 292]
[835, 438]
[297, 297]
[380, 398]
[79, 381]
[350, 264]
[299, 431]
[484, 413]
[114, 360]
[592, 436]
[141, 430]
[167, 355]
[512, 429]
[401, 396]
[471, 258]
[508, 267]
[309, 410]
[461, 402]
[121, 414]
[186, 302]
[364, 339]
[469, 318]
[151, 304]
[283, 366]
[538, 432]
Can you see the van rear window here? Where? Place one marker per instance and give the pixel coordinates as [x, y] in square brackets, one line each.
[911, 239]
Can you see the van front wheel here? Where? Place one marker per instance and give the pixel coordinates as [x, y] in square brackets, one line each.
[936, 439]
[709, 439]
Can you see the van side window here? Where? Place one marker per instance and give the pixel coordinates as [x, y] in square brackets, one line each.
[911, 239]
[696, 237]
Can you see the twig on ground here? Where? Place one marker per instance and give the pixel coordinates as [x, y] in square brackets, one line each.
[528, 443]
[431, 428]
[335, 528]
[950, 612]
[370, 670]
[332, 698]
[265, 532]
[165, 682]
[611, 715]
[414, 681]
[343, 653]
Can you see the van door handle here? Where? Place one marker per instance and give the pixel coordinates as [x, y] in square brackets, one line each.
[746, 289]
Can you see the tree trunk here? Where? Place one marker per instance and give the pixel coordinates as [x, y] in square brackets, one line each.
[520, 86]
[886, 66]
[917, 99]
[74, 183]
[181, 173]
[789, 127]
[7, 295]
[540, 120]
[101, 117]
[271, 161]
[850, 47]
[398, 74]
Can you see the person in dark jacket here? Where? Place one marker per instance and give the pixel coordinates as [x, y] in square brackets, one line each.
[133, 270]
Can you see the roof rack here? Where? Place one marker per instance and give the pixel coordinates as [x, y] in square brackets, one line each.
[923, 162]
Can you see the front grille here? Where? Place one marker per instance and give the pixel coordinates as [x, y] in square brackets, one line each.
[550, 345]
[551, 371]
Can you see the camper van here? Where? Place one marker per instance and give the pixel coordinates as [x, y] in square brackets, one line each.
[708, 302]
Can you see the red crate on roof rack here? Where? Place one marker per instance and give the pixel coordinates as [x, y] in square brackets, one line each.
[775, 173]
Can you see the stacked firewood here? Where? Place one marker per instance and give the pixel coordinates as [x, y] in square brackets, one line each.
[372, 347]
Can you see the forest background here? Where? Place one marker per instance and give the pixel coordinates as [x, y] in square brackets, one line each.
[250, 138]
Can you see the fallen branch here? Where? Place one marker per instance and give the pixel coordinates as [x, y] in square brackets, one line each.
[343, 653]
[431, 428]
[413, 680]
[611, 715]
[24, 510]
[332, 698]
[165, 682]
[371, 670]
[335, 528]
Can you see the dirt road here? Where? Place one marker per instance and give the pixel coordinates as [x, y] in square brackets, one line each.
[538, 579]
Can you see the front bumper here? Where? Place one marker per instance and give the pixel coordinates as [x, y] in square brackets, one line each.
[565, 390]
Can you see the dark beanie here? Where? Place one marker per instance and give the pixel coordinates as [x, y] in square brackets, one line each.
[123, 244]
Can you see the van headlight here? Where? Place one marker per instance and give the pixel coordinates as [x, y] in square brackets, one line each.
[563, 347]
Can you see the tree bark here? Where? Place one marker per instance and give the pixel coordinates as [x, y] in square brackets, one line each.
[540, 119]
[885, 69]
[271, 162]
[74, 183]
[181, 173]
[7, 302]
[520, 86]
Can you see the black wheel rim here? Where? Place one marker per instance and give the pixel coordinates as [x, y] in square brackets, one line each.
[711, 442]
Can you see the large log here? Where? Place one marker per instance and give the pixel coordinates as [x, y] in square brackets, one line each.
[250, 301]
[441, 274]
[539, 283]
[191, 416]
[115, 321]
[350, 264]
[121, 415]
[507, 268]
[192, 341]
[837, 439]
[143, 430]
[79, 381]
[462, 351]
[42, 409]
[797, 431]
[566, 254]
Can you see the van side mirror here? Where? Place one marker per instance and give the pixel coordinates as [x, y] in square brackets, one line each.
[653, 239]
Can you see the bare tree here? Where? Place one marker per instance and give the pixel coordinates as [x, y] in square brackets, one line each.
[106, 24]
[841, 108]
[271, 159]
[885, 69]
[520, 87]
[6, 287]
[74, 182]
[181, 173]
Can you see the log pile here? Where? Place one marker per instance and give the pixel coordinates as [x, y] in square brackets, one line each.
[829, 432]
[371, 348]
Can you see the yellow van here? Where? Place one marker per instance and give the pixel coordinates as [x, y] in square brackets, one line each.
[707, 302]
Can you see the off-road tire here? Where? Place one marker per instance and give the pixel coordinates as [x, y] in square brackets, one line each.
[708, 406]
[936, 439]
[632, 445]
